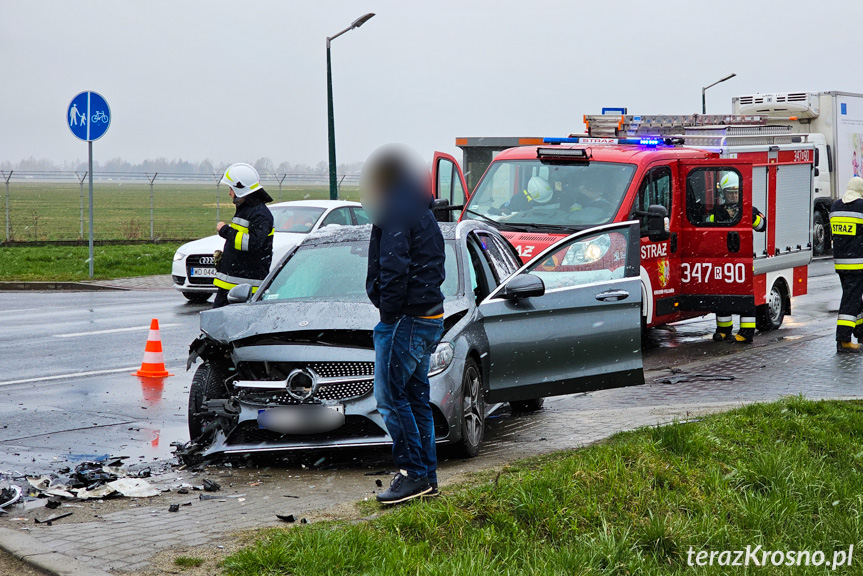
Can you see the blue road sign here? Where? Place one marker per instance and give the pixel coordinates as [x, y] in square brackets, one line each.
[88, 116]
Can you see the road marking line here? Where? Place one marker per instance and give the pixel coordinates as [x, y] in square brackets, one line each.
[70, 375]
[110, 331]
[18, 310]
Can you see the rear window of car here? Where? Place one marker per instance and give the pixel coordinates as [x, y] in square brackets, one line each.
[338, 272]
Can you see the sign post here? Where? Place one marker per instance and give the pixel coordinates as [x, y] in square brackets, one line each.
[89, 116]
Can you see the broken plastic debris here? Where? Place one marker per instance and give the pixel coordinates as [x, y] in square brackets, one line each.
[95, 493]
[51, 519]
[286, 518]
[211, 486]
[378, 483]
[174, 508]
[9, 496]
[134, 488]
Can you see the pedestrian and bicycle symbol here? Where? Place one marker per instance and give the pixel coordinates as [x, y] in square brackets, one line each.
[89, 116]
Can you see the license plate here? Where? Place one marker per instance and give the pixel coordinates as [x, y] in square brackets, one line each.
[198, 272]
[302, 419]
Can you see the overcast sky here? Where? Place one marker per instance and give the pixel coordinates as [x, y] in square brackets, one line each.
[238, 80]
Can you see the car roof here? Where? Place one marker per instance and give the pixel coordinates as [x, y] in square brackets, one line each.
[608, 153]
[317, 203]
[338, 234]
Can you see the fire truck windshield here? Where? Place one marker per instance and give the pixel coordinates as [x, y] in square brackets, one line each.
[530, 192]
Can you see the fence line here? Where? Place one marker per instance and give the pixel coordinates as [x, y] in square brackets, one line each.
[42, 205]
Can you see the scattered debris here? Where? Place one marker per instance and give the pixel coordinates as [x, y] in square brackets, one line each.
[289, 518]
[211, 486]
[174, 508]
[48, 521]
[303, 521]
[290, 496]
[183, 490]
[378, 483]
[692, 378]
[134, 488]
[52, 503]
[9, 496]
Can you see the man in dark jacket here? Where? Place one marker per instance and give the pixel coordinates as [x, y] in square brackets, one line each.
[405, 273]
[248, 238]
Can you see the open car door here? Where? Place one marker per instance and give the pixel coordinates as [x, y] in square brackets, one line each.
[569, 320]
[448, 184]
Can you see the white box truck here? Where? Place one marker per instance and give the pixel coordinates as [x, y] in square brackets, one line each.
[834, 121]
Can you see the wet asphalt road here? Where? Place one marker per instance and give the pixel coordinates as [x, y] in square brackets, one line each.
[66, 392]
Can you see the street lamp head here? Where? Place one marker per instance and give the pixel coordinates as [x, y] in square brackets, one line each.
[362, 20]
[729, 77]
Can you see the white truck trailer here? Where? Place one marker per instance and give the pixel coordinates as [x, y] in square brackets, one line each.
[834, 123]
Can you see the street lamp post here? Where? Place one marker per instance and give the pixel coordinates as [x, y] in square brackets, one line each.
[334, 188]
[703, 90]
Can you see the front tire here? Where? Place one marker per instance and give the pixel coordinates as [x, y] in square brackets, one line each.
[472, 417]
[207, 384]
[197, 297]
[819, 234]
[770, 316]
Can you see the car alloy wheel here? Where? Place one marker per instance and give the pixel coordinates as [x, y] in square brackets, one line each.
[473, 410]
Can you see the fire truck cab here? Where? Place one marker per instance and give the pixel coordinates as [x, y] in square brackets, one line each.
[699, 252]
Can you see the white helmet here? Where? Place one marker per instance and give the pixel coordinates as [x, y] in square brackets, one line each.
[539, 190]
[730, 180]
[242, 178]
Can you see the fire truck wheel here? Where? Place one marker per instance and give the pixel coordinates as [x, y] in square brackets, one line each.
[819, 234]
[770, 316]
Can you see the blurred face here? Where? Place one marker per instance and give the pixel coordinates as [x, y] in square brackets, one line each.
[389, 169]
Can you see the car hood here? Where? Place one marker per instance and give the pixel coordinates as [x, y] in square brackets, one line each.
[282, 243]
[242, 321]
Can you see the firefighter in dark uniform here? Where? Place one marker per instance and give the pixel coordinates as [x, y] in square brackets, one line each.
[846, 225]
[729, 212]
[249, 236]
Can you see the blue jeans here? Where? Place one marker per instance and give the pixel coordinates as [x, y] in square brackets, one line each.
[402, 354]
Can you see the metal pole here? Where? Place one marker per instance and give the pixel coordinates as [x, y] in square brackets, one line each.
[81, 185]
[703, 101]
[153, 179]
[280, 185]
[90, 174]
[218, 190]
[8, 224]
[331, 124]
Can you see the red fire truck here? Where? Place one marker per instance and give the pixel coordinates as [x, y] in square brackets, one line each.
[664, 171]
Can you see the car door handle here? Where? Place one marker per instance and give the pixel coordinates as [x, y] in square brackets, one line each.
[612, 295]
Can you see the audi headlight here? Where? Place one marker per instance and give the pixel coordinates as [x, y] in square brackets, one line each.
[588, 251]
[441, 358]
[178, 256]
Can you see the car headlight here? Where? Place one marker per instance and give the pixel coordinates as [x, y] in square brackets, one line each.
[441, 358]
[178, 256]
[588, 251]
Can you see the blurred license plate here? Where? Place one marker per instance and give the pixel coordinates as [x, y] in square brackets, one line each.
[211, 272]
[302, 419]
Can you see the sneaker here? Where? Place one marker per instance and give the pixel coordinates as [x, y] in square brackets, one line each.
[404, 488]
[848, 348]
[434, 491]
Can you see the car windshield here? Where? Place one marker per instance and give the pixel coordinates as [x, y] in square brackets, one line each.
[531, 192]
[299, 219]
[338, 272]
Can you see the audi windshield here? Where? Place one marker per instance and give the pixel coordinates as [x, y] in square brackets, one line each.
[531, 192]
[337, 272]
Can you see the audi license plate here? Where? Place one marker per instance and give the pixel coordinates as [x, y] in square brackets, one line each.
[302, 418]
[202, 272]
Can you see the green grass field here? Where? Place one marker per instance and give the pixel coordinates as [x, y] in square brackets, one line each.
[785, 476]
[69, 263]
[51, 211]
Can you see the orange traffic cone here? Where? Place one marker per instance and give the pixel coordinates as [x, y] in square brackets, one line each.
[154, 361]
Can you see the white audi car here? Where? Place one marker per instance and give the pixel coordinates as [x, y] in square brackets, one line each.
[193, 269]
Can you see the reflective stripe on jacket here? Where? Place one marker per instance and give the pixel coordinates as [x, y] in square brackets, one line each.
[846, 227]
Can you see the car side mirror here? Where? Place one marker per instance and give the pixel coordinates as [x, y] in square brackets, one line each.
[239, 294]
[440, 208]
[657, 223]
[523, 286]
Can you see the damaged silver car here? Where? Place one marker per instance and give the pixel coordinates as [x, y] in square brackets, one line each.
[291, 366]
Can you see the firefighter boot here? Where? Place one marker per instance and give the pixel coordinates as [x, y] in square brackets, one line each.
[724, 327]
[747, 330]
[848, 348]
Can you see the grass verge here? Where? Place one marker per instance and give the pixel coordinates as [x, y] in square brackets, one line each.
[69, 263]
[786, 476]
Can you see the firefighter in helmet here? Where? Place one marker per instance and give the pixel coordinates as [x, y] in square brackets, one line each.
[248, 237]
[846, 225]
[538, 192]
[729, 211]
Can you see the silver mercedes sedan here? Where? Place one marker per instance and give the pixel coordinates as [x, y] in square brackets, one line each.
[291, 367]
